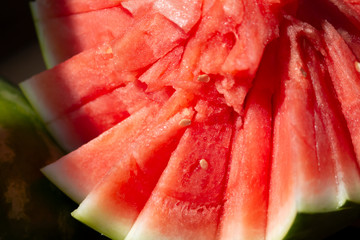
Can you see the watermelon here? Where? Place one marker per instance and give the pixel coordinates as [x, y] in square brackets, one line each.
[197, 194]
[206, 119]
[250, 159]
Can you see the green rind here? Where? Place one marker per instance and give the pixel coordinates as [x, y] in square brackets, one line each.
[320, 225]
[45, 49]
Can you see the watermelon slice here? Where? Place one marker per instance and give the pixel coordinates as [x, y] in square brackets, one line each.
[187, 200]
[113, 205]
[85, 123]
[316, 183]
[346, 81]
[249, 175]
[77, 184]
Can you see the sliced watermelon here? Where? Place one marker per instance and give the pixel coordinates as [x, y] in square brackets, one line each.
[187, 200]
[345, 77]
[85, 123]
[240, 164]
[78, 172]
[100, 70]
[247, 192]
[336, 138]
[63, 37]
[113, 205]
[307, 185]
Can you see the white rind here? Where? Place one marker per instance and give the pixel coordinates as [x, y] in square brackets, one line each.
[107, 223]
[49, 59]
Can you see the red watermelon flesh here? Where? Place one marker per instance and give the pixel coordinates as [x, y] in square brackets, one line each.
[155, 77]
[79, 171]
[64, 37]
[100, 70]
[115, 202]
[246, 198]
[346, 80]
[184, 13]
[85, 123]
[302, 180]
[211, 50]
[187, 200]
[350, 8]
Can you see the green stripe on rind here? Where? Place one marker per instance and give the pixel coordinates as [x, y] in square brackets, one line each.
[320, 225]
[45, 49]
[13, 95]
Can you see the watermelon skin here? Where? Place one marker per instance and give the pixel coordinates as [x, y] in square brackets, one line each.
[189, 206]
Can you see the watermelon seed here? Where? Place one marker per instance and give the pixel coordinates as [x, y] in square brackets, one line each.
[203, 164]
[303, 72]
[357, 66]
[203, 78]
[109, 50]
[185, 122]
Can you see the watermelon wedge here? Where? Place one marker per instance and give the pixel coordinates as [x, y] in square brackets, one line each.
[311, 151]
[90, 120]
[77, 184]
[205, 119]
[346, 81]
[130, 181]
[249, 174]
[189, 206]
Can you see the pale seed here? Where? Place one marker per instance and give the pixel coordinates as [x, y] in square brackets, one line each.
[185, 122]
[203, 78]
[203, 164]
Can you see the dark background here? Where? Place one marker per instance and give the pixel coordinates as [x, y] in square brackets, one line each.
[20, 55]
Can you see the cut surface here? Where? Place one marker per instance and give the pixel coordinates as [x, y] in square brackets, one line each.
[246, 199]
[302, 179]
[114, 204]
[187, 201]
[78, 172]
[100, 70]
